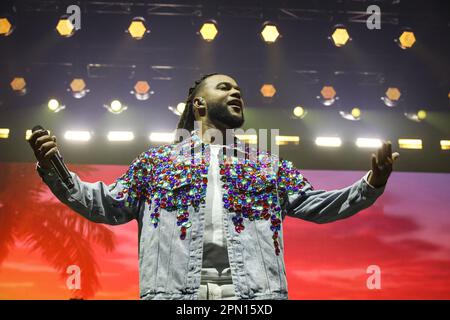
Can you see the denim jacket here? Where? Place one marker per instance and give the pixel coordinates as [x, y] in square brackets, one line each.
[164, 189]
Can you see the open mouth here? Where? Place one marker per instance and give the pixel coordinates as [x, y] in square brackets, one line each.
[236, 105]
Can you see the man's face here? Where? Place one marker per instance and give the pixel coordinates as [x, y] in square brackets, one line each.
[225, 107]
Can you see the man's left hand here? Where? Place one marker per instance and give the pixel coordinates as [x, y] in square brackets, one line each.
[382, 165]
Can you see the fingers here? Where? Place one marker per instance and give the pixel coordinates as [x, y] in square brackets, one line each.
[50, 153]
[35, 135]
[395, 156]
[46, 146]
[374, 162]
[41, 140]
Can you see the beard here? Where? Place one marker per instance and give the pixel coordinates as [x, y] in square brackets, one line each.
[221, 116]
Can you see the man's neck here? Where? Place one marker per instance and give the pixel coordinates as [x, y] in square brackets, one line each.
[209, 133]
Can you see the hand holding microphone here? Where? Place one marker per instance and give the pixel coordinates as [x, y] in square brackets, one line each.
[46, 152]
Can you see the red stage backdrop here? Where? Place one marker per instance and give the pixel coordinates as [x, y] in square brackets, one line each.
[406, 234]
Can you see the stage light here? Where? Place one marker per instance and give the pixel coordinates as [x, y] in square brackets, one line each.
[354, 115]
[327, 96]
[115, 107]
[417, 117]
[340, 36]
[19, 86]
[368, 143]
[180, 107]
[65, 27]
[298, 112]
[6, 27]
[77, 135]
[268, 90]
[137, 28]
[248, 138]
[328, 141]
[142, 90]
[445, 144]
[283, 140]
[164, 137]
[209, 30]
[270, 32]
[54, 105]
[120, 136]
[356, 112]
[421, 114]
[410, 143]
[4, 133]
[406, 39]
[78, 88]
[392, 97]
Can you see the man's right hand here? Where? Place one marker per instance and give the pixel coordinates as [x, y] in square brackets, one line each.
[44, 147]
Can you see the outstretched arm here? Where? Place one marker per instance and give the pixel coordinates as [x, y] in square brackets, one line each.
[97, 201]
[322, 206]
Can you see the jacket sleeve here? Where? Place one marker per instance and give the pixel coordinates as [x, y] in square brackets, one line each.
[112, 204]
[300, 200]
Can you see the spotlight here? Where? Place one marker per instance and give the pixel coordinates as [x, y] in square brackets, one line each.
[115, 107]
[4, 133]
[164, 137]
[406, 39]
[368, 143]
[284, 140]
[268, 90]
[299, 112]
[78, 88]
[410, 143]
[77, 135]
[270, 32]
[354, 115]
[142, 90]
[137, 28]
[6, 27]
[209, 30]
[120, 136]
[417, 117]
[19, 86]
[328, 142]
[392, 97]
[179, 109]
[54, 105]
[327, 96]
[340, 36]
[65, 27]
[445, 144]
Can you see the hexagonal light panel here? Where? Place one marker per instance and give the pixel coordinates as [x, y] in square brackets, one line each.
[65, 28]
[340, 36]
[137, 28]
[268, 90]
[209, 31]
[6, 27]
[270, 33]
[406, 40]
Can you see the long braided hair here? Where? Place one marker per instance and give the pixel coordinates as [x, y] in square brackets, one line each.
[187, 118]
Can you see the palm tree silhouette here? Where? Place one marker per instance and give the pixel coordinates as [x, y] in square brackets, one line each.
[61, 236]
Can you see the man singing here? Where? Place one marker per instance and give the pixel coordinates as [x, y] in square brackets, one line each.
[210, 212]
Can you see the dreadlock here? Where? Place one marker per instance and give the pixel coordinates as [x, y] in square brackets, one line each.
[188, 118]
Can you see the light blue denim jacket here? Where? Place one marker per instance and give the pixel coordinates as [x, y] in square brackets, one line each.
[164, 190]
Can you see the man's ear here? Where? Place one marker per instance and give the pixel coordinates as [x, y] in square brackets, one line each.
[200, 106]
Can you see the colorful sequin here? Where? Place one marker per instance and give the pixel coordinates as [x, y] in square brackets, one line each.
[175, 182]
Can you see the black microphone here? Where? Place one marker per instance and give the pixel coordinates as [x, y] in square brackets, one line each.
[58, 164]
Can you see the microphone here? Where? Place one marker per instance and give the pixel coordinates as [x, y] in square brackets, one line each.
[58, 164]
